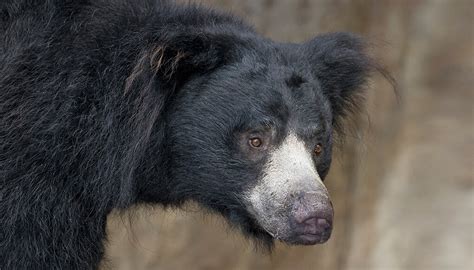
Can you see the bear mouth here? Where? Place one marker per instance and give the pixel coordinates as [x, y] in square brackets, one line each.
[312, 239]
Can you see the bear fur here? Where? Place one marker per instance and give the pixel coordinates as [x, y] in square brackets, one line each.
[111, 103]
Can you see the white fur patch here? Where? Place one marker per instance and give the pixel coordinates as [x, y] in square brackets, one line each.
[289, 171]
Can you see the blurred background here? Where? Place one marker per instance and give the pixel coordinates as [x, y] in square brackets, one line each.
[402, 187]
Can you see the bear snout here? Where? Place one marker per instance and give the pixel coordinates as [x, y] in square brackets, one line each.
[311, 218]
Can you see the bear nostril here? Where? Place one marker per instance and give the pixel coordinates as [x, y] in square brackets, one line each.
[311, 221]
[323, 223]
[312, 209]
[315, 225]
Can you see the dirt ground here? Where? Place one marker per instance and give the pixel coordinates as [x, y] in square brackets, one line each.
[404, 195]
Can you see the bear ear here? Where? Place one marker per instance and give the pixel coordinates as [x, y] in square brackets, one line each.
[175, 57]
[342, 67]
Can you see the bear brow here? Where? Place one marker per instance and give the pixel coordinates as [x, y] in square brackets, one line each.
[308, 130]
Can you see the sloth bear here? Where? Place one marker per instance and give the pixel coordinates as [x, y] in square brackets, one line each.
[112, 103]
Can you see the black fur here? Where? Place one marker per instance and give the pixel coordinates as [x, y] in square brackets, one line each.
[106, 104]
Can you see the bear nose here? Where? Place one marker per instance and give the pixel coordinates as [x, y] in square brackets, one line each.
[311, 218]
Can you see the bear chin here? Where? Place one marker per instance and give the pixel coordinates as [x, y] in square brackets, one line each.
[250, 228]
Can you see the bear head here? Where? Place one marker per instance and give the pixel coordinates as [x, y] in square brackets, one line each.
[250, 124]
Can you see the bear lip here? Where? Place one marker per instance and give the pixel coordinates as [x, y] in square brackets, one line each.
[311, 239]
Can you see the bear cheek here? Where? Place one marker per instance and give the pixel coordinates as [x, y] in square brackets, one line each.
[290, 202]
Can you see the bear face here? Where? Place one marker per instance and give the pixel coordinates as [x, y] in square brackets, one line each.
[252, 138]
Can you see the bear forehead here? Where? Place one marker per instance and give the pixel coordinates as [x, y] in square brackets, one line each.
[284, 89]
[287, 79]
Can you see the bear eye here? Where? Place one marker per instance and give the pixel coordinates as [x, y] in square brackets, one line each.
[255, 142]
[318, 149]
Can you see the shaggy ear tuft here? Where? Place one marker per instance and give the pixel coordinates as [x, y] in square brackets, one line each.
[341, 64]
[177, 57]
[174, 58]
